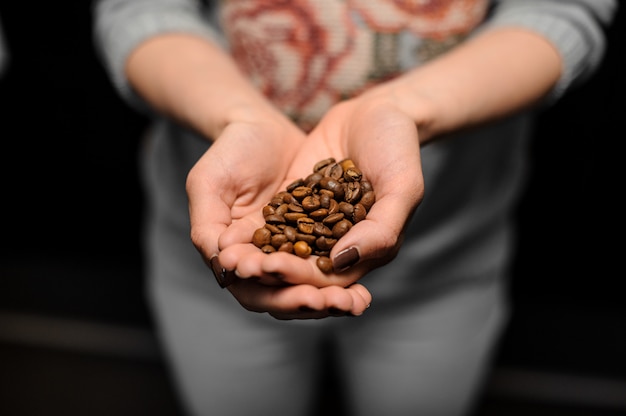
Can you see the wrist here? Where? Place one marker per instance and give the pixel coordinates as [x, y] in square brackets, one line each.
[409, 100]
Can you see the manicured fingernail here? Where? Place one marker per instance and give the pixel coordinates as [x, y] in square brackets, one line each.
[345, 259]
[224, 277]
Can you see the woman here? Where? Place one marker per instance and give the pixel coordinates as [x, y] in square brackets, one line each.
[432, 100]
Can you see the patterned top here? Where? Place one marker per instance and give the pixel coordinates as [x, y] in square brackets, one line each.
[306, 55]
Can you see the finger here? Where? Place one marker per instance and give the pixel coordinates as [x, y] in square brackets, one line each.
[296, 270]
[352, 301]
[361, 299]
[242, 230]
[206, 229]
[245, 260]
[291, 300]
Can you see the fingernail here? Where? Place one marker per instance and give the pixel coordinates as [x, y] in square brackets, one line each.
[305, 309]
[345, 259]
[224, 277]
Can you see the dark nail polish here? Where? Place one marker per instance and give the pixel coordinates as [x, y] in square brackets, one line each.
[305, 309]
[345, 259]
[224, 277]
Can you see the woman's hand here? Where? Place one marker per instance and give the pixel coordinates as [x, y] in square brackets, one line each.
[234, 179]
[383, 142]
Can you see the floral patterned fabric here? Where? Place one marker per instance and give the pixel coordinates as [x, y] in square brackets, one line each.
[306, 55]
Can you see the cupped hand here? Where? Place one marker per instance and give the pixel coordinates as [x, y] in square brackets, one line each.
[383, 142]
[227, 189]
[236, 177]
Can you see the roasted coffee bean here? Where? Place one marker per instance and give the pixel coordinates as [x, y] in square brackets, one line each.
[302, 249]
[290, 232]
[306, 225]
[311, 203]
[352, 175]
[295, 207]
[278, 240]
[275, 219]
[261, 237]
[294, 216]
[274, 229]
[334, 207]
[268, 210]
[332, 219]
[368, 199]
[352, 192]
[322, 164]
[366, 186]
[341, 228]
[301, 192]
[324, 200]
[313, 213]
[359, 213]
[319, 214]
[346, 209]
[268, 249]
[325, 264]
[313, 180]
[276, 201]
[334, 186]
[307, 238]
[285, 196]
[325, 243]
[320, 229]
[286, 247]
[293, 185]
[334, 170]
[282, 209]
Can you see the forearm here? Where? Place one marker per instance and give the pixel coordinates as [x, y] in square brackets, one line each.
[493, 75]
[195, 82]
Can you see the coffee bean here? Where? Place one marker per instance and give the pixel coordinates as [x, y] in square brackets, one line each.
[294, 216]
[368, 198]
[352, 175]
[325, 264]
[311, 203]
[341, 228]
[278, 240]
[359, 213]
[274, 229]
[262, 237]
[302, 249]
[322, 164]
[268, 249]
[286, 247]
[301, 192]
[319, 214]
[314, 212]
[306, 225]
[352, 192]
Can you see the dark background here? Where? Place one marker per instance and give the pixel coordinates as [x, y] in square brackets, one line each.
[71, 205]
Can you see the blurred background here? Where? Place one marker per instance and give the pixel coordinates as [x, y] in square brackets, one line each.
[76, 337]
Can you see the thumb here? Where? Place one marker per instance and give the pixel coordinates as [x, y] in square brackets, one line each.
[374, 241]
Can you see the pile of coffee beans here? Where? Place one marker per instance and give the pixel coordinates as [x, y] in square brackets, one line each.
[313, 213]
